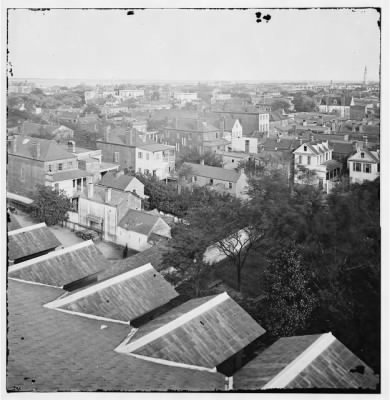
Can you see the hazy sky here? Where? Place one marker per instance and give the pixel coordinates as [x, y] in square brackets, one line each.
[194, 44]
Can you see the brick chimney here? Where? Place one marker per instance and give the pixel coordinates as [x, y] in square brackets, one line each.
[90, 190]
[107, 195]
[71, 146]
[36, 150]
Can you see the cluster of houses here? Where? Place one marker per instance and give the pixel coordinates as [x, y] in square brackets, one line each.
[78, 321]
[130, 330]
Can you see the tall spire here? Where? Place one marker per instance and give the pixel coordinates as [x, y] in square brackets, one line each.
[365, 76]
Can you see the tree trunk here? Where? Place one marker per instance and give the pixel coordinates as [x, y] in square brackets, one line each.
[238, 266]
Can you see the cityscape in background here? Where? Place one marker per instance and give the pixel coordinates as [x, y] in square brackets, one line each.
[194, 235]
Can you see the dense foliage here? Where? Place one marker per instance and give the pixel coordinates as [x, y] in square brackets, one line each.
[194, 156]
[49, 206]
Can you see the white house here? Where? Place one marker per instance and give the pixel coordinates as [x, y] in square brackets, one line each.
[155, 159]
[137, 228]
[314, 165]
[364, 165]
[101, 208]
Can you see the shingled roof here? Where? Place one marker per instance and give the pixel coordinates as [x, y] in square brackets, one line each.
[49, 149]
[53, 351]
[61, 267]
[304, 362]
[201, 333]
[124, 297]
[27, 241]
[119, 182]
[206, 171]
[139, 221]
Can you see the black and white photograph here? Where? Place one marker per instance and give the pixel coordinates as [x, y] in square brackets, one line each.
[192, 198]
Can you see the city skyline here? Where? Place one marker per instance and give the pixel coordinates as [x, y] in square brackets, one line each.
[221, 50]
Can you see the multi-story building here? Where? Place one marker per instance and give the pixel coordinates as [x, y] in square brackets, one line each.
[364, 165]
[134, 151]
[155, 159]
[33, 161]
[314, 165]
[340, 105]
[190, 134]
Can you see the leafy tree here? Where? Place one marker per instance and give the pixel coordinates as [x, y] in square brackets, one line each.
[280, 104]
[50, 206]
[290, 300]
[303, 103]
[184, 258]
[231, 227]
[194, 156]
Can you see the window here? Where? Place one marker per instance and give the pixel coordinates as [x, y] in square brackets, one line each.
[230, 185]
[362, 155]
[308, 160]
[232, 160]
[378, 167]
[60, 167]
[211, 181]
[139, 154]
[146, 171]
[357, 167]
[147, 156]
[304, 148]
[326, 156]
[300, 159]
[116, 156]
[367, 168]
[216, 135]
[22, 176]
[49, 167]
[139, 170]
[70, 164]
[74, 183]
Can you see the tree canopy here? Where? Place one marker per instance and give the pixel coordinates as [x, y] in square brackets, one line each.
[50, 206]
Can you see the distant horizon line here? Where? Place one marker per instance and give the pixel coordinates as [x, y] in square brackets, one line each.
[194, 80]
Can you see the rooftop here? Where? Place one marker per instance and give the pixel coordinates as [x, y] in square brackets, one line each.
[54, 351]
[213, 172]
[202, 332]
[139, 221]
[119, 182]
[49, 149]
[117, 197]
[61, 267]
[303, 362]
[124, 297]
[24, 242]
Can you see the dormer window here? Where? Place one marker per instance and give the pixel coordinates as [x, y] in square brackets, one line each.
[304, 148]
[362, 155]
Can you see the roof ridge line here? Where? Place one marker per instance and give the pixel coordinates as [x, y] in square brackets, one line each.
[98, 286]
[173, 363]
[170, 326]
[52, 254]
[27, 228]
[295, 367]
[90, 316]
